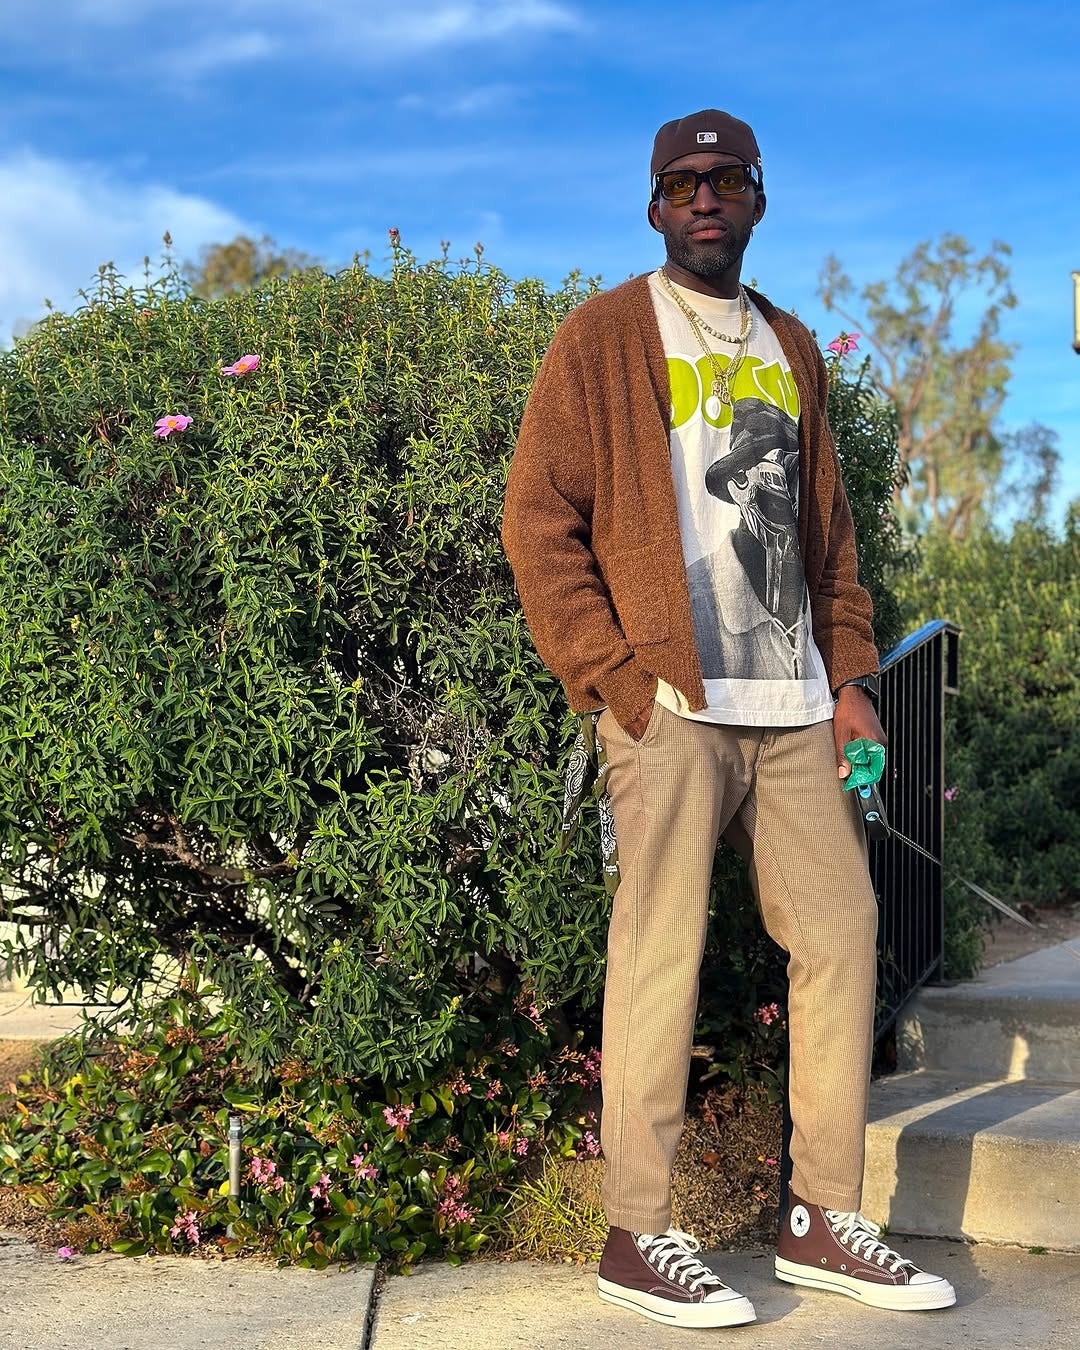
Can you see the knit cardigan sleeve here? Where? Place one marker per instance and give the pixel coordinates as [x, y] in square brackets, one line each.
[842, 609]
[547, 535]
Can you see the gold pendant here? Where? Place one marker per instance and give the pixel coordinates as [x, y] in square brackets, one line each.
[721, 394]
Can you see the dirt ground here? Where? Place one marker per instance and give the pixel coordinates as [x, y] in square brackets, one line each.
[725, 1183]
[15, 1058]
[1010, 940]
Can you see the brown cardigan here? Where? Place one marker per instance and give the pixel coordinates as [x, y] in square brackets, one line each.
[591, 526]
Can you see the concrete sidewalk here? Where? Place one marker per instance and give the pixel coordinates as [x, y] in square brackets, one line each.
[112, 1302]
[1008, 1299]
[23, 1020]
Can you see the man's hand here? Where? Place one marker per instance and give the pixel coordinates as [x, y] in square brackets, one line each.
[637, 728]
[854, 717]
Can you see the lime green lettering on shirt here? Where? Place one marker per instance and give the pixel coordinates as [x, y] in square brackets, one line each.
[775, 385]
[691, 385]
[685, 390]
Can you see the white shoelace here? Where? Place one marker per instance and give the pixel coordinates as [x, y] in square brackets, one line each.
[862, 1237]
[672, 1253]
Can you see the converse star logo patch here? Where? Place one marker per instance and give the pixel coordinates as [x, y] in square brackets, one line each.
[706, 138]
[800, 1221]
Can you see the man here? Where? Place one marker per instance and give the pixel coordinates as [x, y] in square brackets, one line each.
[685, 558]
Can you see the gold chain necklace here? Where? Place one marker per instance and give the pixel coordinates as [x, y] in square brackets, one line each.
[695, 317]
[721, 381]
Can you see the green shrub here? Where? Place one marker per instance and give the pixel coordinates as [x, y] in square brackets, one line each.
[1013, 823]
[132, 1150]
[864, 424]
[268, 706]
[265, 683]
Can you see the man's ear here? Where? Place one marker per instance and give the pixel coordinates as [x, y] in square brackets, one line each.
[654, 216]
[759, 206]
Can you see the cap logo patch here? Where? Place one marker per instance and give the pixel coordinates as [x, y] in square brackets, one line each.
[706, 138]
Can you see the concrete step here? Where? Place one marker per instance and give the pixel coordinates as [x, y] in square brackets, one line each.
[986, 1161]
[1016, 1020]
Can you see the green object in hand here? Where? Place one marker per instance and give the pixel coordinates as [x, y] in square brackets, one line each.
[867, 760]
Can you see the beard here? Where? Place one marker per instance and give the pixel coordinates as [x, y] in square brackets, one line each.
[707, 260]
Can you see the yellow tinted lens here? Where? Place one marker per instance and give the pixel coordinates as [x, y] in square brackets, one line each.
[728, 179]
[678, 187]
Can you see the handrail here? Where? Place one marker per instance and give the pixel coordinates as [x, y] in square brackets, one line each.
[926, 633]
[915, 677]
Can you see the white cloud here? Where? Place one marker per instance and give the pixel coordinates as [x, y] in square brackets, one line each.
[215, 53]
[212, 35]
[482, 98]
[414, 27]
[60, 220]
[348, 166]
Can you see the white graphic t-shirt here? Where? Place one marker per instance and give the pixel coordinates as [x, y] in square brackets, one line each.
[736, 472]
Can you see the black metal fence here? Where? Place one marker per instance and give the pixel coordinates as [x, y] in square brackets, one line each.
[915, 677]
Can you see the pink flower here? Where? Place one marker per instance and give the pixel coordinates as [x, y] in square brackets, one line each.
[494, 1088]
[398, 1118]
[318, 1191]
[589, 1147]
[950, 793]
[592, 1068]
[767, 1014]
[452, 1206]
[770, 1162]
[504, 1137]
[244, 366]
[65, 1253]
[187, 1225]
[362, 1168]
[265, 1173]
[456, 1212]
[172, 422]
[845, 343]
[455, 1186]
[521, 1147]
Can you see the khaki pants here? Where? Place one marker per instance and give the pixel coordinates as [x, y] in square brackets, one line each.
[673, 794]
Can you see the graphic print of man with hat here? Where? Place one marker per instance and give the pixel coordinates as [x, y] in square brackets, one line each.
[748, 596]
[685, 557]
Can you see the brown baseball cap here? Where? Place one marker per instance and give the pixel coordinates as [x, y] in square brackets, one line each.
[706, 130]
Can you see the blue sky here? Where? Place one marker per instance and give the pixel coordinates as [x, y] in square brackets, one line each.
[527, 124]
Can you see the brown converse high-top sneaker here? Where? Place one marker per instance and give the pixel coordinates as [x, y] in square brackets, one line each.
[831, 1249]
[660, 1277]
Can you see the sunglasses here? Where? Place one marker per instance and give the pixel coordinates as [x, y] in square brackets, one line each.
[726, 180]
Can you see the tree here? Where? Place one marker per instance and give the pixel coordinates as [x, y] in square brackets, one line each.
[241, 264]
[1031, 473]
[948, 393]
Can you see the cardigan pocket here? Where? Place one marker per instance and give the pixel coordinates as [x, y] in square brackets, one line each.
[638, 594]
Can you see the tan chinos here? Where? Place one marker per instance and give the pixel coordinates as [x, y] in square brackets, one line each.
[673, 794]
